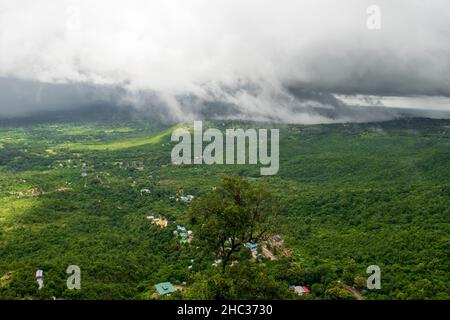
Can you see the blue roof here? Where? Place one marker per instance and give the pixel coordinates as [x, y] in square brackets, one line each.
[165, 288]
[251, 245]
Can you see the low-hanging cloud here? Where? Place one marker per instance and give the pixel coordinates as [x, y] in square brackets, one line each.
[269, 59]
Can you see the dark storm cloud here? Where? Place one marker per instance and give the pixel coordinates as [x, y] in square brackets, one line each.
[20, 96]
[383, 74]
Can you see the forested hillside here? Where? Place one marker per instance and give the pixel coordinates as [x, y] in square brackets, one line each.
[349, 196]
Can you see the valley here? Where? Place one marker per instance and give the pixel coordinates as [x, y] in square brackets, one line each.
[351, 195]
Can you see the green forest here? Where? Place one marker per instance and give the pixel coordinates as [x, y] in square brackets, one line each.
[347, 196]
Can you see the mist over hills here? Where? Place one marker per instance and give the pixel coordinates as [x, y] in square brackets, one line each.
[102, 112]
[26, 101]
[182, 61]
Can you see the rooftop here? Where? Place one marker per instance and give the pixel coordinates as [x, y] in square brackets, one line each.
[164, 288]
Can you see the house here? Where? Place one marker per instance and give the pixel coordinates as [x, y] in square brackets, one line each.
[300, 290]
[187, 199]
[165, 288]
[162, 222]
[251, 245]
[217, 262]
[253, 248]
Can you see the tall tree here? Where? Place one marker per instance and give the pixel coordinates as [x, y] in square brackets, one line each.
[232, 214]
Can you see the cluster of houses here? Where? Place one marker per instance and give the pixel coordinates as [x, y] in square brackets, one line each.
[59, 164]
[183, 234]
[167, 288]
[185, 199]
[268, 248]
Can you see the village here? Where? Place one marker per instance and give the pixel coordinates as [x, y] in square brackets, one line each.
[270, 249]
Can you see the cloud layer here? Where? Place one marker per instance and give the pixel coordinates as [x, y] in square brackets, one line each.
[253, 54]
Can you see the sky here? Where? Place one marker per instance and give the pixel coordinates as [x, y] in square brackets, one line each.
[284, 59]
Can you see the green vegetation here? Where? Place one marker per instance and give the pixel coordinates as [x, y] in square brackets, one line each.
[349, 196]
[230, 216]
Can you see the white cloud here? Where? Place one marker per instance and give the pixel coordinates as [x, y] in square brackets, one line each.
[202, 46]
